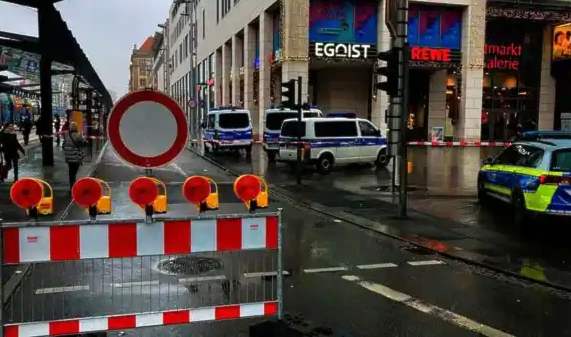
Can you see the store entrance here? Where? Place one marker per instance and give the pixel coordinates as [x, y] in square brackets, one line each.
[419, 87]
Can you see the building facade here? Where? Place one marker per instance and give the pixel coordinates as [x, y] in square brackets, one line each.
[159, 64]
[478, 70]
[140, 69]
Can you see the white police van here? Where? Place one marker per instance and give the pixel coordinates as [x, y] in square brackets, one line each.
[333, 141]
[273, 119]
[227, 128]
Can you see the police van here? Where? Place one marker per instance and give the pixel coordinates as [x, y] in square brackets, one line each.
[227, 128]
[333, 141]
[273, 119]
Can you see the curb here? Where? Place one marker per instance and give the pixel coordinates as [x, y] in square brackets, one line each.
[16, 279]
[453, 252]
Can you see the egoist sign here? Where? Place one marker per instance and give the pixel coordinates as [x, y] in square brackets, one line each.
[342, 50]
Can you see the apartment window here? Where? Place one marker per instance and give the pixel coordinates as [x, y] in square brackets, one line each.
[203, 24]
[180, 54]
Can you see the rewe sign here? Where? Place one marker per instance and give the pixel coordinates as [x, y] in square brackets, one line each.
[342, 50]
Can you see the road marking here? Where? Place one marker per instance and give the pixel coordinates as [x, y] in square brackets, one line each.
[428, 308]
[202, 279]
[425, 263]
[324, 270]
[264, 274]
[136, 284]
[56, 290]
[178, 169]
[377, 266]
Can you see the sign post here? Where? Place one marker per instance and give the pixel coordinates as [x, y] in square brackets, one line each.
[147, 129]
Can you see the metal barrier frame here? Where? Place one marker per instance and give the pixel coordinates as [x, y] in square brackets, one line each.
[8, 330]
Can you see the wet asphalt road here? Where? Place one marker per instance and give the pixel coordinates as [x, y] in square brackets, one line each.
[331, 298]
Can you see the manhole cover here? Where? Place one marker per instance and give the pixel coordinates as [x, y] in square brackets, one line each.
[388, 188]
[190, 265]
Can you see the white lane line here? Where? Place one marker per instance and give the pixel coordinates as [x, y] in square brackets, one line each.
[428, 308]
[324, 270]
[56, 290]
[425, 263]
[377, 266]
[264, 274]
[202, 279]
[178, 169]
[136, 284]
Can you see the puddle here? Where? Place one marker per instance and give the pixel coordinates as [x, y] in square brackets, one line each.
[190, 265]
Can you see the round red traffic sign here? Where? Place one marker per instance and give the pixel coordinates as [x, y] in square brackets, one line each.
[86, 192]
[27, 192]
[147, 129]
[247, 187]
[143, 191]
[196, 189]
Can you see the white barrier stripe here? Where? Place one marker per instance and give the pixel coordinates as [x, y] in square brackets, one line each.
[425, 263]
[377, 266]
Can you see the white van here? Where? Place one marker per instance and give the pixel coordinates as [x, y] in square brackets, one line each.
[273, 119]
[333, 141]
[228, 128]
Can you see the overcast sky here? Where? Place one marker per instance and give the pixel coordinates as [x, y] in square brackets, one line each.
[105, 29]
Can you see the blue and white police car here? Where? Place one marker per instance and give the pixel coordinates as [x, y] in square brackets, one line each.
[273, 119]
[228, 128]
[333, 141]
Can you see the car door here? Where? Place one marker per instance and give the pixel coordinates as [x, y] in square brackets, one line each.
[369, 144]
[346, 141]
[501, 173]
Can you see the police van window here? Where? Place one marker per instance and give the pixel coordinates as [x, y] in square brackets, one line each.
[309, 114]
[367, 129]
[336, 129]
[289, 129]
[210, 122]
[233, 120]
[561, 161]
[274, 120]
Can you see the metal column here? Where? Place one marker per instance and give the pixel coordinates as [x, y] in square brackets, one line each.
[46, 115]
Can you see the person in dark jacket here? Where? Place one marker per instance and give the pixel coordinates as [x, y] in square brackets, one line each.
[73, 144]
[27, 124]
[57, 127]
[9, 145]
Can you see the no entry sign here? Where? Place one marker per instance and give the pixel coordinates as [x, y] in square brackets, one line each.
[147, 129]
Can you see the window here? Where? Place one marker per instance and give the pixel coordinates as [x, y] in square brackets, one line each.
[336, 129]
[203, 24]
[561, 161]
[217, 11]
[274, 120]
[289, 129]
[520, 155]
[233, 120]
[368, 130]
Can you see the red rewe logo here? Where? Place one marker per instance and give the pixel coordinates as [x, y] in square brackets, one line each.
[430, 54]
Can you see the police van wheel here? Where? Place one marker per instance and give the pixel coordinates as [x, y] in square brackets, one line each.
[271, 156]
[325, 163]
[249, 150]
[521, 216]
[206, 149]
[482, 195]
[382, 159]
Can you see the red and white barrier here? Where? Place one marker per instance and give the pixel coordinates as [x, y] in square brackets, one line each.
[132, 321]
[459, 144]
[130, 239]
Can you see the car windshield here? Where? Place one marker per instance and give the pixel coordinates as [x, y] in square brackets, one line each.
[233, 120]
[561, 161]
[289, 129]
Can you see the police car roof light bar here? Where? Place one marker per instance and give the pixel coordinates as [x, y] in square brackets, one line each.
[538, 135]
[341, 114]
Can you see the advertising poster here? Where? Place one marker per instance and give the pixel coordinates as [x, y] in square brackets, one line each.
[562, 42]
[343, 21]
[434, 27]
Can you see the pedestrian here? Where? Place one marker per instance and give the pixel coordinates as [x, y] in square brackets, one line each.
[10, 146]
[26, 125]
[40, 128]
[73, 144]
[57, 127]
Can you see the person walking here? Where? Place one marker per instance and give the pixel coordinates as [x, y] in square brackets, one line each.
[73, 144]
[57, 127]
[9, 145]
[26, 125]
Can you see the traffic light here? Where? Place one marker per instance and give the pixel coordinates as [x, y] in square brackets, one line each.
[390, 71]
[288, 94]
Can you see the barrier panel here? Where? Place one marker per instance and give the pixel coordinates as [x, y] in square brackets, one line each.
[154, 270]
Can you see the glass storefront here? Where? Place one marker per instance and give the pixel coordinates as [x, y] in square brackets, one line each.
[511, 78]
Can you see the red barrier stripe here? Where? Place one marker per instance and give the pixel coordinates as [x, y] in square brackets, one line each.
[228, 234]
[64, 243]
[176, 317]
[227, 312]
[270, 309]
[122, 322]
[272, 232]
[64, 327]
[123, 240]
[11, 247]
[177, 237]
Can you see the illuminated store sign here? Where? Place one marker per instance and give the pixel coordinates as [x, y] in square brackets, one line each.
[504, 56]
[430, 54]
[342, 50]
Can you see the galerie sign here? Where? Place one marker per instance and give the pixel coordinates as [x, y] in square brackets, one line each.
[342, 50]
[504, 56]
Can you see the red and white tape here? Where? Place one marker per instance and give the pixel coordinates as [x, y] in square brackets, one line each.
[460, 144]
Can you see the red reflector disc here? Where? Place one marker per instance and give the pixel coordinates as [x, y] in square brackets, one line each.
[27, 192]
[247, 187]
[196, 189]
[86, 192]
[143, 191]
